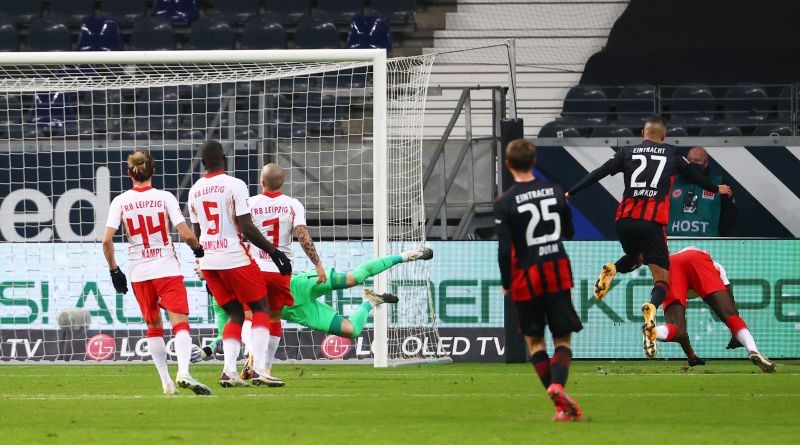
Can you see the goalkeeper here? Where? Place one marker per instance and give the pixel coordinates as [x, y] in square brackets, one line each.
[306, 310]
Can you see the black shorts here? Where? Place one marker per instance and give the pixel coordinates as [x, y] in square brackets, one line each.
[554, 310]
[646, 238]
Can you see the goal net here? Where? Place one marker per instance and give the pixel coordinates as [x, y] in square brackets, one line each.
[345, 125]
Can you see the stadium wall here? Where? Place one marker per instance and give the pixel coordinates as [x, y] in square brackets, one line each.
[41, 280]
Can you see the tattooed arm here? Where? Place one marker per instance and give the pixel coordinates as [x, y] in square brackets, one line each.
[301, 232]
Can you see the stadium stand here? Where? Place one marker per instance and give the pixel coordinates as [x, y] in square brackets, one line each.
[211, 33]
[316, 33]
[340, 11]
[176, 11]
[236, 11]
[289, 12]
[9, 39]
[71, 12]
[152, 34]
[99, 35]
[263, 32]
[394, 10]
[370, 32]
[23, 12]
[47, 35]
[123, 11]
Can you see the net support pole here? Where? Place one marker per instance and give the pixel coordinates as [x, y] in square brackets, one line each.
[512, 77]
[380, 208]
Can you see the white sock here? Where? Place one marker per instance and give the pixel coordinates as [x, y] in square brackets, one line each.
[272, 348]
[230, 347]
[183, 349]
[661, 332]
[158, 351]
[247, 337]
[260, 341]
[746, 339]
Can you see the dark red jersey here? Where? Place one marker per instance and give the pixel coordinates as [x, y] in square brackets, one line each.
[648, 170]
[531, 218]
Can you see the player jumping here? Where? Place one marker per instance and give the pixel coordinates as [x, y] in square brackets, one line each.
[155, 272]
[530, 219]
[218, 208]
[306, 310]
[643, 213]
[694, 269]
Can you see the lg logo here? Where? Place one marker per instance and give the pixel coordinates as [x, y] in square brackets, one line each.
[100, 347]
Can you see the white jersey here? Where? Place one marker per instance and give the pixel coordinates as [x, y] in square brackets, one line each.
[276, 215]
[145, 214]
[215, 201]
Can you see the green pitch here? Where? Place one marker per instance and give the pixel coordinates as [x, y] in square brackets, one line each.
[624, 402]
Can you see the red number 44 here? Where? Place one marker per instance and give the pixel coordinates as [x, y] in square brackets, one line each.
[147, 228]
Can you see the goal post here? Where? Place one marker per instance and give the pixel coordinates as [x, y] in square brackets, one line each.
[346, 126]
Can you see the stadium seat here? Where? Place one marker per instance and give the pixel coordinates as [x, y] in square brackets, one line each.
[394, 10]
[370, 32]
[691, 105]
[22, 12]
[152, 34]
[124, 11]
[635, 104]
[236, 11]
[316, 34]
[746, 103]
[558, 129]
[775, 129]
[289, 11]
[100, 35]
[210, 33]
[54, 109]
[9, 39]
[263, 32]
[176, 11]
[585, 105]
[611, 132]
[340, 11]
[784, 104]
[71, 12]
[46, 35]
[677, 131]
[720, 130]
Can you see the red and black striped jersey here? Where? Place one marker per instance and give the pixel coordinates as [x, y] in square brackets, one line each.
[648, 171]
[531, 218]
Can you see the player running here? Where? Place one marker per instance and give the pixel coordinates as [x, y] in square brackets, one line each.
[278, 217]
[531, 218]
[218, 208]
[306, 310]
[694, 269]
[155, 272]
[642, 215]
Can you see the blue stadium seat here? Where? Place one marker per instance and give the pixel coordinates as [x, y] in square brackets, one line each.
[585, 105]
[316, 34]
[635, 104]
[46, 35]
[289, 11]
[611, 132]
[370, 32]
[176, 11]
[9, 39]
[236, 11]
[692, 105]
[394, 10]
[775, 129]
[263, 32]
[71, 11]
[22, 12]
[152, 34]
[100, 35]
[340, 11]
[552, 130]
[124, 11]
[720, 130]
[747, 103]
[210, 33]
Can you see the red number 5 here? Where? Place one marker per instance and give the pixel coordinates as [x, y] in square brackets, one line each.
[213, 218]
[274, 231]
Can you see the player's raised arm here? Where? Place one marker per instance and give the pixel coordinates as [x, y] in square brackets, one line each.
[305, 240]
[610, 167]
[693, 175]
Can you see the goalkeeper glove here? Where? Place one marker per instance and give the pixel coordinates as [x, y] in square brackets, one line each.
[280, 260]
[119, 280]
[199, 252]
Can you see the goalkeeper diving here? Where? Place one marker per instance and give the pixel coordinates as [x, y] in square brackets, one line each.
[306, 310]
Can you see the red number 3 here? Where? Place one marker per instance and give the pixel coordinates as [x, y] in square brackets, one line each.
[274, 231]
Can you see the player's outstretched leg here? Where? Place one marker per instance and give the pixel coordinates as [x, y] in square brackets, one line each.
[183, 349]
[721, 302]
[649, 335]
[420, 253]
[352, 326]
[603, 283]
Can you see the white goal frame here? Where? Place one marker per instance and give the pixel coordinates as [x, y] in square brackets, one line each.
[377, 57]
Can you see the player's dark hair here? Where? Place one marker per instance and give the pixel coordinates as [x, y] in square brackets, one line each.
[141, 165]
[656, 119]
[521, 154]
[213, 155]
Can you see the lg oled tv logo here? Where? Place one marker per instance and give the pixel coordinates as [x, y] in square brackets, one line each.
[334, 347]
[100, 347]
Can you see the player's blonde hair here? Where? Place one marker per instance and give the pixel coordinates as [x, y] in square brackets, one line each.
[141, 165]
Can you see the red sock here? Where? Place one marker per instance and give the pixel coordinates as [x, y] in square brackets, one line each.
[276, 329]
[735, 324]
[541, 363]
[232, 331]
[671, 331]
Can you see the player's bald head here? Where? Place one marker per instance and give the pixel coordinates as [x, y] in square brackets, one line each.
[655, 129]
[272, 177]
[212, 155]
[698, 155]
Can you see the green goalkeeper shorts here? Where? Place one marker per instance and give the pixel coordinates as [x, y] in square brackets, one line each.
[314, 315]
[307, 310]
